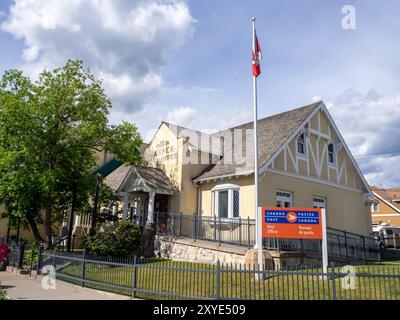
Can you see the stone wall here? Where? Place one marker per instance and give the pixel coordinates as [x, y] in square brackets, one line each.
[183, 250]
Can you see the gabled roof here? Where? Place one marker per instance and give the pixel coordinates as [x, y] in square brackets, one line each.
[129, 178]
[272, 133]
[197, 143]
[388, 196]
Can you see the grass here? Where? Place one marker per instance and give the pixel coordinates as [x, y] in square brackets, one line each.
[391, 261]
[200, 281]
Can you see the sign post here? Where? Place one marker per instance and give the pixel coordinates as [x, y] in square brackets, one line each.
[324, 243]
[296, 223]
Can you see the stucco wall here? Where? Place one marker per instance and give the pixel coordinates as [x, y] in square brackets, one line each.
[246, 194]
[346, 209]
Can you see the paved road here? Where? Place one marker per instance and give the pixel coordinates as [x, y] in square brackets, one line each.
[22, 287]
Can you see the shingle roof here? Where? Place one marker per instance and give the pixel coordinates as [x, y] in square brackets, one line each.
[390, 195]
[272, 133]
[127, 177]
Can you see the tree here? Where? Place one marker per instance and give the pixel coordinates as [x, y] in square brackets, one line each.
[50, 130]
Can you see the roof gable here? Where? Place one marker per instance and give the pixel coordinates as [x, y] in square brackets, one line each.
[388, 196]
[273, 131]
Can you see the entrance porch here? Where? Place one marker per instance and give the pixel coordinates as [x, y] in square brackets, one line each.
[144, 191]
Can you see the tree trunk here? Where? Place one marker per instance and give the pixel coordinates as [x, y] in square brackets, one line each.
[47, 222]
[32, 224]
[8, 230]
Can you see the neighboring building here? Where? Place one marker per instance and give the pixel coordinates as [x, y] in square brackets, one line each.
[304, 162]
[386, 209]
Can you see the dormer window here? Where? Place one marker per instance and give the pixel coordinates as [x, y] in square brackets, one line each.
[301, 145]
[331, 153]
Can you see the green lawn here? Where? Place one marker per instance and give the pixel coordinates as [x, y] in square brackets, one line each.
[201, 282]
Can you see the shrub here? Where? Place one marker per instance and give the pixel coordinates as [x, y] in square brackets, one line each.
[119, 239]
[3, 294]
[32, 254]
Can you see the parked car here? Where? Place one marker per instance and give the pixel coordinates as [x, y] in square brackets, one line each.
[387, 235]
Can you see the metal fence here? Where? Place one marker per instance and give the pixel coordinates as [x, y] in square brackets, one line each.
[238, 231]
[165, 279]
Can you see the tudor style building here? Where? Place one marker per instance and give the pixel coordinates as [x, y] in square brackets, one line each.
[304, 162]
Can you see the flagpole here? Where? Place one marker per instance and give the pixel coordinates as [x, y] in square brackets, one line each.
[257, 214]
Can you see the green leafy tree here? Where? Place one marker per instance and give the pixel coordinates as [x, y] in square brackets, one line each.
[50, 131]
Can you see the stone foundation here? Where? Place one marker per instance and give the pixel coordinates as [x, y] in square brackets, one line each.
[185, 249]
[189, 250]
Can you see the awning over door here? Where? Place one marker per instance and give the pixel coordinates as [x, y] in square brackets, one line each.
[130, 178]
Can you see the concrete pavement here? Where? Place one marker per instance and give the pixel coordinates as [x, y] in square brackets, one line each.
[23, 287]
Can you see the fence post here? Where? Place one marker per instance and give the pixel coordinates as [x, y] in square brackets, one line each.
[240, 230]
[333, 281]
[345, 244]
[73, 243]
[180, 224]
[134, 277]
[215, 228]
[219, 230]
[248, 231]
[83, 269]
[364, 249]
[31, 262]
[194, 227]
[38, 265]
[173, 225]
[218, 278]
[21, 255]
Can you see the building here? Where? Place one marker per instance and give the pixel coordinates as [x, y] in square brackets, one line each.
[304, 162]
[386, 209]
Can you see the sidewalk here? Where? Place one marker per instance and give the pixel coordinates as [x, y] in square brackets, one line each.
[23, 287]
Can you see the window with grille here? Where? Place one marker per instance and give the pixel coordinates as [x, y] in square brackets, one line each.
[331, 153]
[319, 202]
[226, 201]
[301, 145]
[236, 203]
[284, 199]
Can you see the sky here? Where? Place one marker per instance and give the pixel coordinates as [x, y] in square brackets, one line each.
[189, 62]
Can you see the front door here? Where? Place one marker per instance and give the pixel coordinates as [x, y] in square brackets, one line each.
[161, 202]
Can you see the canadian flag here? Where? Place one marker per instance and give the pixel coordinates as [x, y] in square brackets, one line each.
[256, 57]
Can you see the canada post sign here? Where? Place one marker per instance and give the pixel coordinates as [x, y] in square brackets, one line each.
[296, 223]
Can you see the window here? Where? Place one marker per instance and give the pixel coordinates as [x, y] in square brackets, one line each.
[319, 202]
[284, 199]
[223, 204]
[331, 153]
[226, 201]
[301, 146]
[375, 207]
[236, 203]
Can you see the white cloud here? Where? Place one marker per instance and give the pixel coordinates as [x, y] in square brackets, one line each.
[370, 124]
[124, 42]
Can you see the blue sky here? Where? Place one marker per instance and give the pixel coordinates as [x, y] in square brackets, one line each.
[194, 64]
